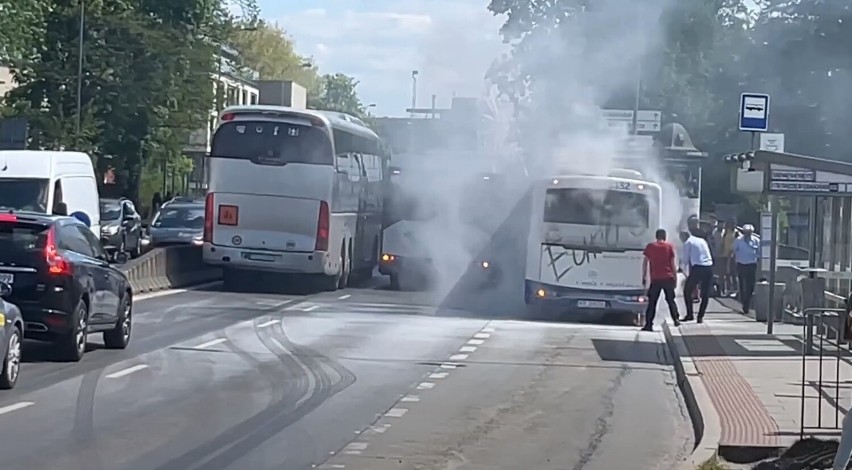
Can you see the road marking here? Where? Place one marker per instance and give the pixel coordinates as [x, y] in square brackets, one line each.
[15, 407]
[380, 429]
[210, 343]
[439, 375]
[163, 293]
[268, 323]
[355, 448]
[488, 329]
[476, 342]
[467, 349]
[396, 412]
[344, 296]
[458, 357]
[410, 398]
[310, 309]
[127, 371]
[426, 386]
[448, 366]
[482, 335]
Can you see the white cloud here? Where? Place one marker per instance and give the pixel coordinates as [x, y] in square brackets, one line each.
[451, 43]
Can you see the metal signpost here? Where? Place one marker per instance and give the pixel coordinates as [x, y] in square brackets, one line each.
[754, 114]
[646, 121]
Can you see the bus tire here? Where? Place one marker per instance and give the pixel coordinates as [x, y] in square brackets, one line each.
[345, 265]
[394, 282]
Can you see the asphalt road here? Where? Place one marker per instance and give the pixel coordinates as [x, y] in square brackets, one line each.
[356, 379]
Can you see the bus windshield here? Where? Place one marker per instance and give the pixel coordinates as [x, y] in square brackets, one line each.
[272, 143]
[580, 206]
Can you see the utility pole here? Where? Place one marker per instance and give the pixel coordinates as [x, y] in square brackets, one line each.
[79, 116]
[414, 74]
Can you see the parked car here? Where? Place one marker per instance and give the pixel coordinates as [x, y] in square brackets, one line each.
[64, 283]
[11, 335]
[121, 226]
[179, 222]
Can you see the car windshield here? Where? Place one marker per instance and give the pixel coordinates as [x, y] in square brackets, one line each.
[110, 210]
[180, 217]
[24, 194]
[580, 206]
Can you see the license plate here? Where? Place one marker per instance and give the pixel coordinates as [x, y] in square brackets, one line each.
[7, 278]
[260, 257]
[591, 304]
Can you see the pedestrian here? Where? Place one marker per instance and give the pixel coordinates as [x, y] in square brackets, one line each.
[660, 267]
[697, 255]
[746, 255]
[729, 237]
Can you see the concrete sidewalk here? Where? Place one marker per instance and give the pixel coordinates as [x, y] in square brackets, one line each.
[747, 385]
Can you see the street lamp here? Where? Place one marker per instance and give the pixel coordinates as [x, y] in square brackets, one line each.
[414, 74]
[80, 69]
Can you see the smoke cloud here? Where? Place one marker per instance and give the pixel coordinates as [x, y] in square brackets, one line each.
[553, 125]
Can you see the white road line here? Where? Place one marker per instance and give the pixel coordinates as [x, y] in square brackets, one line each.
[127, 371]
[210, 343]
[439, 375]
[476, 342]
[458, 357]
[488, 329]
[448, 366]
[357, 446]
[344, 296]
[410, 399]
[310, 309]
[467, 349]
[396, 412]
[268, 323]
[15, 407]
[482, 336]
[380, 429]
[425, 386]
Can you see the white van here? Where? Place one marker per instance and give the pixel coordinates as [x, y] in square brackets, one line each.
[39, 180]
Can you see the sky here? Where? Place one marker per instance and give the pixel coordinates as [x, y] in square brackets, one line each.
[450, 43]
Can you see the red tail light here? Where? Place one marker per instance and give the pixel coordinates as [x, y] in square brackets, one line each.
[8, 218]
[208, 218]
[56, 264]
[323, 227]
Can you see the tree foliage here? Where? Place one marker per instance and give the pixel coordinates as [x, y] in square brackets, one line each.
[21, 24]
[145, 84]
[338, 93]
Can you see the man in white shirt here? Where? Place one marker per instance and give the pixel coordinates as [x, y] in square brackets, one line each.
[699, 262]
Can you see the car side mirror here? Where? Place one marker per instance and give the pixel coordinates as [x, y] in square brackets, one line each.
[5, 289]
[60, 209]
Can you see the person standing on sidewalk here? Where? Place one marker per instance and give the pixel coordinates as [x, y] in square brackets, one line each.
[746, 255]
[696, 254]
[659, 264]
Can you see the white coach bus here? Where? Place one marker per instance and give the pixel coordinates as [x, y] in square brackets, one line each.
[586, 242]
[294, 191]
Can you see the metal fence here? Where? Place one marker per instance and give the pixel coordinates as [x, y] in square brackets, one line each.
[823, 337]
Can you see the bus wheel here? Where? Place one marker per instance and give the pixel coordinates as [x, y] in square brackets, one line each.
[345, 267]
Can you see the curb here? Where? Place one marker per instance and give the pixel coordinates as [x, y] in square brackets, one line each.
[702, 412]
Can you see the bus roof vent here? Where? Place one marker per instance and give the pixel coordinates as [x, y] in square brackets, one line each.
[625, 173]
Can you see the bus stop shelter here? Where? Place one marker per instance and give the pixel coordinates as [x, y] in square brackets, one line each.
[826, 185]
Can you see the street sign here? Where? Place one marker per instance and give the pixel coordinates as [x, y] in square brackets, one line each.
[772, 142]
[754, 112]
[646, 121]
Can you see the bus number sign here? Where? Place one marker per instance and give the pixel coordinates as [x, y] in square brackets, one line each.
[228, 215]
[622, 185]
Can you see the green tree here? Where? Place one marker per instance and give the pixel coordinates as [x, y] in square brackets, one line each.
[21, 24]
[339, 93]
[267, 49]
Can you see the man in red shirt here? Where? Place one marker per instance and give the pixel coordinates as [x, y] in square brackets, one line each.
[660, 263]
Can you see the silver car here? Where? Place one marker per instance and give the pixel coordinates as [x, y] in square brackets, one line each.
[177, 224]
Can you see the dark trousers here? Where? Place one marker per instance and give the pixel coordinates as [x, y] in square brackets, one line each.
[747, 274]
[701, 277]
[667, 287]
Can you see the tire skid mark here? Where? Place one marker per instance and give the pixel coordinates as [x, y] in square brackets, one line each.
[603, 425]
[237, 441]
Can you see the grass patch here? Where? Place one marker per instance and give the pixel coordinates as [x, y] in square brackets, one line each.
[712, 465]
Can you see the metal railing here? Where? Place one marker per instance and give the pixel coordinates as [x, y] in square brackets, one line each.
[826, 328]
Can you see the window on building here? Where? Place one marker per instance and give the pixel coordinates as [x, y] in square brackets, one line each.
[254, 98]
[244, 99]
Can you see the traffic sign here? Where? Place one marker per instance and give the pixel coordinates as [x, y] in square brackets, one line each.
[754, 112]
[772, 142]
[646, 121]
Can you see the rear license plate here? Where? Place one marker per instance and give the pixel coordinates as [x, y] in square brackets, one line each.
[261, 257]
[591, 304]
[7, 278]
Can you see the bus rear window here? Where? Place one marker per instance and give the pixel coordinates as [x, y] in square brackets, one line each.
[596, 207]
[272, 143]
